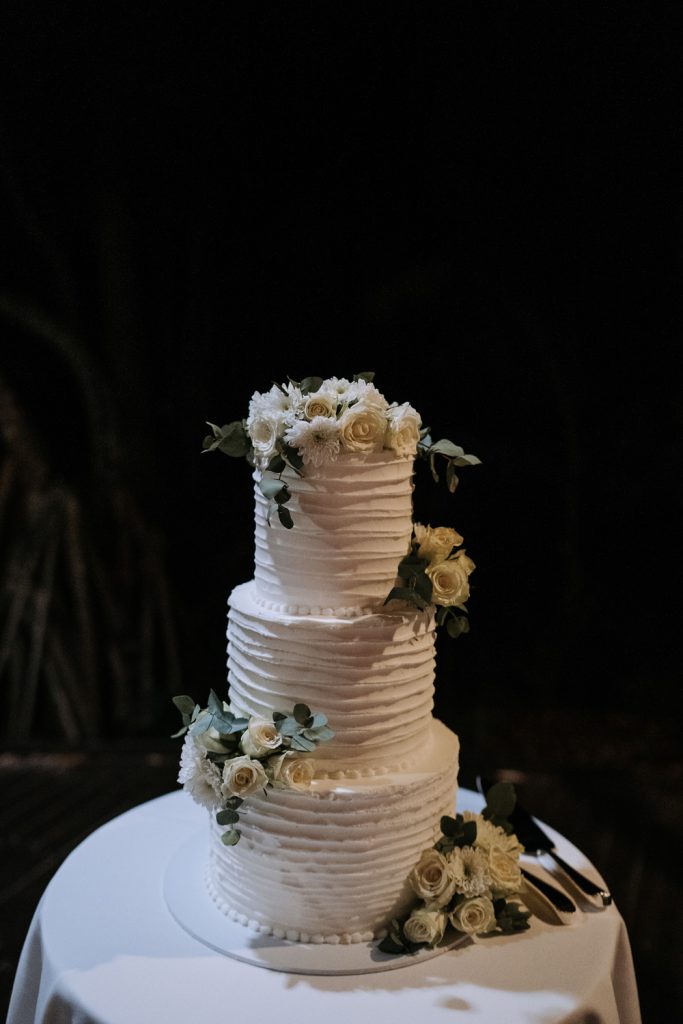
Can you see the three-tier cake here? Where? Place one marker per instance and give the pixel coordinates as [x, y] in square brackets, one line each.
[314, 841]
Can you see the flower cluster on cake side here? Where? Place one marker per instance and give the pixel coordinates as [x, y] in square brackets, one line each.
[225, 758]
[470, 879]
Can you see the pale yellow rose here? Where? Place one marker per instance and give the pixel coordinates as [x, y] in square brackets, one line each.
[321, 403]
[260, 737]
[436, 542]
[289, 771]
[450, 579]
[474, 917]
[242, 776]
[362, 428]
[426, 926]
[431, 878]
[504, 872]
[403, 429]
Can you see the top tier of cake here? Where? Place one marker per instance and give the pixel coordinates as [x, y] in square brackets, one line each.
[352, 526]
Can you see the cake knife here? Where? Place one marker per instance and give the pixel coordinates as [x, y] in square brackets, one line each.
[536, 843]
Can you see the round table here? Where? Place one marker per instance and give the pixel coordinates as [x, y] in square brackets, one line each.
[103, 946]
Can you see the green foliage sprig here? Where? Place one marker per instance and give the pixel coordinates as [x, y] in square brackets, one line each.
[452, 453]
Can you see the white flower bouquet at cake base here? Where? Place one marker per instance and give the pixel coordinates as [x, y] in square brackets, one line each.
[470, 879]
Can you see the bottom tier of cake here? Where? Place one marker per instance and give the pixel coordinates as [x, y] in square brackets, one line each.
[331, 864]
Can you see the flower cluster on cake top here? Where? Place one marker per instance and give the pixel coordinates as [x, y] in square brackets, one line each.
[299, 424]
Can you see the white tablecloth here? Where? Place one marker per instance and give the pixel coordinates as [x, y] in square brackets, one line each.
[103, 947]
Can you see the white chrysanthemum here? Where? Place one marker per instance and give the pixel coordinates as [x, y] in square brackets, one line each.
[198, 775]
[317, 441]
[490, 836]
[339, 386]
[469, 869]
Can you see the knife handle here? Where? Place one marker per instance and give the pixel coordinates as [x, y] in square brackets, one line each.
[585, 884]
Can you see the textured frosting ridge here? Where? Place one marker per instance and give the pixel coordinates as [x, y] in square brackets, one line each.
[331, 864]
[352, 526]
[373, 676]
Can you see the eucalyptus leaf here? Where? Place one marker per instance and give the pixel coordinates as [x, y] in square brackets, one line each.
[302, 713]
[310, 385]
[184, 704]
[227, 817]
[367, 375]
[232, 837]
[299, 742]
[214, 703]
[500, 800]
[447, 448]
[181, 732]
[285, 517]
[270, 487]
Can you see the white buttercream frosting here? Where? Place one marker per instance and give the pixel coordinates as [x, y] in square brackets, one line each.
[352, 526]
[373, 676]
[331, 864]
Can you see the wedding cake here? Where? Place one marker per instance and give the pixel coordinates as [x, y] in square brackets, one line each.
[325, 771]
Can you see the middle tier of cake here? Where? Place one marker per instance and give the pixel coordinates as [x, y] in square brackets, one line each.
[372, 676]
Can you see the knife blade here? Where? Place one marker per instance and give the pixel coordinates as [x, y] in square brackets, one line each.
[536, 843]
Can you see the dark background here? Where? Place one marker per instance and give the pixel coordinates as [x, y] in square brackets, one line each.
[479, 202]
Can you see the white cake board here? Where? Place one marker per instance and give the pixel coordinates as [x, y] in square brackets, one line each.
[190, 903]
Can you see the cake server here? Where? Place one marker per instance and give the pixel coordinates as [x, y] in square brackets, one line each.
[537, 843]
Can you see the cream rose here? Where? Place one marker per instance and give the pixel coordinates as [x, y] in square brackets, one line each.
[263, 431]
[425, 926]
[242, 776]
[321, 403]
[475, 916]
[431, 878]
[403, 429]
[504, 872]
[450, 580]
[362, 428]
[289, 771]
[260, 737]
[436, 542]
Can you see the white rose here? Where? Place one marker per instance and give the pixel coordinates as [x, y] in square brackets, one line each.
[321, 403]
[425, 926]
[403, 429]
[263, 431]
[260, 737]
[475, 916]
[431, 878]
[242, 776]
[289, 771]
[504, 872]
[436, 542]
[362, 428]
[450, 579]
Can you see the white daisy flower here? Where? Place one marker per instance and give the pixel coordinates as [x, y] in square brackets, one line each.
[317, 441]
[198, 775]
[470, 871]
